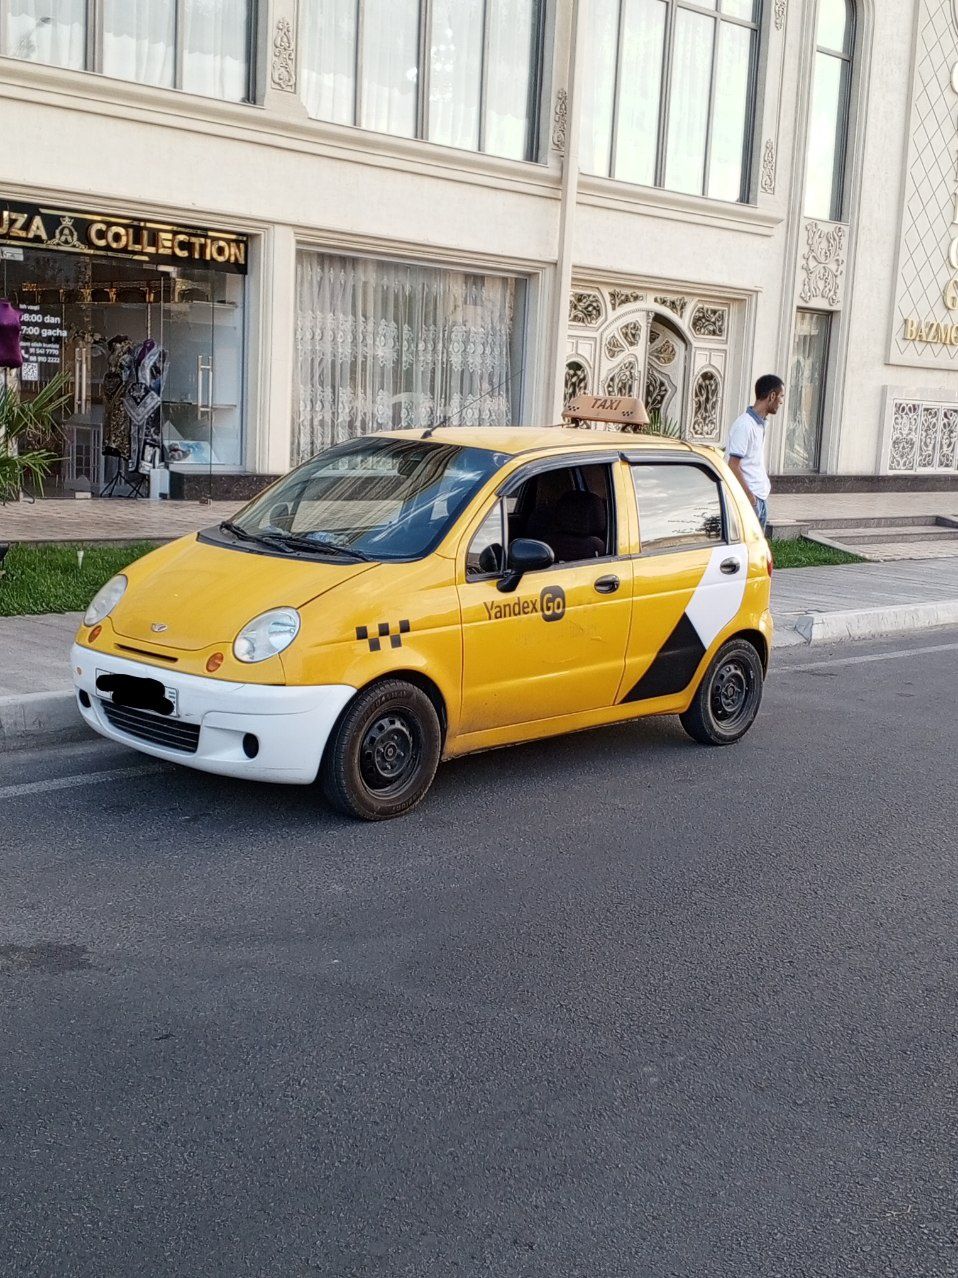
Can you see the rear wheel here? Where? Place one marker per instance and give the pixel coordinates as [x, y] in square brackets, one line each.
[728, 697]
[383, 754]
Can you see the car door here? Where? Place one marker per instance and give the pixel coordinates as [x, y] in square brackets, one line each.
[556, 645]
[689, 577]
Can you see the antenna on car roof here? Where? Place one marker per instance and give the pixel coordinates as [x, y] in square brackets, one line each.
[624, 411]
[428, 432]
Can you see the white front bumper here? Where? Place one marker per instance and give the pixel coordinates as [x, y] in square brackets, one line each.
[291, 725]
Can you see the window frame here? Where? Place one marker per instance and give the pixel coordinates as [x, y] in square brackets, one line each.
[723, 495]
[424, 71]
[756, 26]
[846, 57]
[574, 463]
[94, 32]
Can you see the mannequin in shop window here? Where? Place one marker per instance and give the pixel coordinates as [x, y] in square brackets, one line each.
[116, 423]
[143, 402]
[11, 355]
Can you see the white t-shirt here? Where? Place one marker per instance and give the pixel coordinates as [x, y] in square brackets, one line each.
[746, 440]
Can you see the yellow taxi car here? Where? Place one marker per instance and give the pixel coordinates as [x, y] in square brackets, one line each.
[413, 596]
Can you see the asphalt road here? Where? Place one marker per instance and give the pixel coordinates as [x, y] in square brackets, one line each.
[612, 1005]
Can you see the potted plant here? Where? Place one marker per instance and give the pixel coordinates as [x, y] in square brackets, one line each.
[659, 425]
[25, 425]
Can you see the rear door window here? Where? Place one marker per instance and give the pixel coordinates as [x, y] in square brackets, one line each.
[680, 508]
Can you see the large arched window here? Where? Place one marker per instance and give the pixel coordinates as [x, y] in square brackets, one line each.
[669, 93]
[828, 124]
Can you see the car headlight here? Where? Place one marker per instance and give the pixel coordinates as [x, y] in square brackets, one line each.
[266, 635]
[105, 600]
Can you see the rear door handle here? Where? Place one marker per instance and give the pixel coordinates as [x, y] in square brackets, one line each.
[730, 567]
[608, 585]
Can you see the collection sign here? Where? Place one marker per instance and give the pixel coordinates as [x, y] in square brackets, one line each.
[68, 231]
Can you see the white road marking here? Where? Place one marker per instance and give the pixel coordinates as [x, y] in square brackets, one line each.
[874, 656]
[71, 783]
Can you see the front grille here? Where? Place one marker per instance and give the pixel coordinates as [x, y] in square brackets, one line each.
[173, 734]
[144, 652]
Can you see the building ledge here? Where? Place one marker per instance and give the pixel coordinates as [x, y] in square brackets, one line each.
[606, 193]
[123, 100]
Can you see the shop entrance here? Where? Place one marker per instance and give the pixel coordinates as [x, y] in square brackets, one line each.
[154, 355]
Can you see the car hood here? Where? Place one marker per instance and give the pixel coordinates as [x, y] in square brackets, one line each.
[191, 594]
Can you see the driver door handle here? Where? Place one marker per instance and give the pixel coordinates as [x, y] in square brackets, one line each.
[730, 567]
[608, 585]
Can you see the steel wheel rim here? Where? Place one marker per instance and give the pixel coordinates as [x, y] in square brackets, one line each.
[732, 692]
[390, 753]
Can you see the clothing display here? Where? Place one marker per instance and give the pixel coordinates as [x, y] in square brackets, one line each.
[116, 423]
[10, 354]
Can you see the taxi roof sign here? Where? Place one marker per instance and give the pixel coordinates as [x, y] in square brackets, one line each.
[624, 411]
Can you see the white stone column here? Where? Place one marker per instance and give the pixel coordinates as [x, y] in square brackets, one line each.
[271, 380]
[567, 116]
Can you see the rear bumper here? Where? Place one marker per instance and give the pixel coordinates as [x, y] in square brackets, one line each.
[291, 725]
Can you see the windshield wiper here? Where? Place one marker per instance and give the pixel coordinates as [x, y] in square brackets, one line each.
[228, 526]
[318, 544]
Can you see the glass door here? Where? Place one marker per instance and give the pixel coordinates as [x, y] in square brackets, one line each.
[806, 393]
[204, 319]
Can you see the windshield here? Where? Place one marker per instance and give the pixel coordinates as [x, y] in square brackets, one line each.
[370, 498]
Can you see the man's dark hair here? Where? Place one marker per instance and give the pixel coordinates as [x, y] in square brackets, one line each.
[767, 385]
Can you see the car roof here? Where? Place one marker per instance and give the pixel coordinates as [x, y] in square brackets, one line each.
[525, 439]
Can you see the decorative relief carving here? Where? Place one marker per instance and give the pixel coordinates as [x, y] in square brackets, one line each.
[657, 391]
[665, 352]
[676, 305]
[710, 321]
[823, 266]
[576, 380]
[948, 442]
[614, 346]
[904, 437]
[283, 73]
[624, 379]
[768, 168]
[585, 308]
[560, 121]
[631, 333]
[781, 9]
[619, 297]
[706, 398]
[928, 438]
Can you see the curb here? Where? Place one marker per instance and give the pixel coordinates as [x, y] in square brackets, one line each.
[876, 623]
[35, 715]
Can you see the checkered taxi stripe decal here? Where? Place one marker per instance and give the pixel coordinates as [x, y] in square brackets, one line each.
[381, 632]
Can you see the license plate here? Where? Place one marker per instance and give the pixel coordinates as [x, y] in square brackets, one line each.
[138, 694]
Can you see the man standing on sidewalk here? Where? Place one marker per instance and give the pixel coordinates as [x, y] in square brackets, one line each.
[746, 443]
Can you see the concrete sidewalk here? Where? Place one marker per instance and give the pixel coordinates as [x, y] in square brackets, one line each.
[810, 605]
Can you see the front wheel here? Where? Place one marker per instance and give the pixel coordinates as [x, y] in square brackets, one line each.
[382, 756]
[728, 697]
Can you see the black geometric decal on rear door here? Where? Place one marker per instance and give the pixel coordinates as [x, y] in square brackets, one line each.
[674, 666]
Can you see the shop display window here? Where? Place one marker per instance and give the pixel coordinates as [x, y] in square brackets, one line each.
[154, 353]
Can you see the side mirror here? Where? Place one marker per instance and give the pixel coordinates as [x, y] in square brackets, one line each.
[525, 555]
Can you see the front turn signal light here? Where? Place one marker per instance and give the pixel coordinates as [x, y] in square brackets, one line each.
[214, 663]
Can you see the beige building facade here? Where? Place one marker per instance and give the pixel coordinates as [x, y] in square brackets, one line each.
[293, 222]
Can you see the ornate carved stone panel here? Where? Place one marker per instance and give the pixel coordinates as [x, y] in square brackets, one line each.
[781, 12]
[674, 304]
[706, 400]
[710, 321]
[576, 380]
[560, 121]
[619, 297]
[624, 378]
[768, 168]
[585, 308]
[904, 439]
[822, 273]
[283, 72]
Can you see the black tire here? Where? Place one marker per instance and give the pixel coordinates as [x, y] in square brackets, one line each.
[728, 697]
[383, 753]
